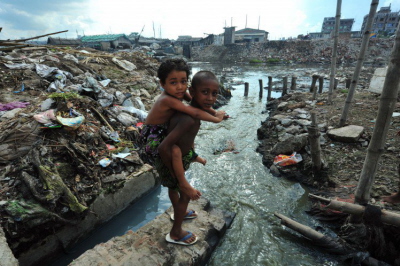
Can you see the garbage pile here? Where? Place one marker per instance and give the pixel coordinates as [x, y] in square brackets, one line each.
[69, 124]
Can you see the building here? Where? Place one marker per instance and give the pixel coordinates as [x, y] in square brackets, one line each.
[107, 41]
[63, 41]
[328, 26]
[385, 22]
[251, 35]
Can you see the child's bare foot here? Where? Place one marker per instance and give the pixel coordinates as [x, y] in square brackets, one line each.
[394, 198]
[200, 160]
[193, 193]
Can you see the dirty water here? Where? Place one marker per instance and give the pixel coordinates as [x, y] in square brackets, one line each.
[236, 181]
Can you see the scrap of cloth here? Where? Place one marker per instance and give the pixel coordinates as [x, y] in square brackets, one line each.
[12, 105]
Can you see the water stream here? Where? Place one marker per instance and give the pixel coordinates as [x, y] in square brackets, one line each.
[237, 182]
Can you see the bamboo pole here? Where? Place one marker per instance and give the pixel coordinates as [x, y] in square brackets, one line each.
[246, 89]
[334, 52]
[269, 87]
[360, 60]
[387, 104]
[36, 37]
[358, 210]
[284, 89]
[261, 88]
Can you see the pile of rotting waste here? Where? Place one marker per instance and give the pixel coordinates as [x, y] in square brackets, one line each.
[68, 132]
[69, 124]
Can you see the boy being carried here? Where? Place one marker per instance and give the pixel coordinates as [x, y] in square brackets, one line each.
[182, 131]
[173, 75]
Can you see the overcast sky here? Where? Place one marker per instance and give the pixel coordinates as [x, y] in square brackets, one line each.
[169, 19]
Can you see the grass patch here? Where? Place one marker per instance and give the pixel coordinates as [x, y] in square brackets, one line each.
[255, 61]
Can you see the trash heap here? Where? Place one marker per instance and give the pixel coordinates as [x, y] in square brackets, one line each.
[69, 124]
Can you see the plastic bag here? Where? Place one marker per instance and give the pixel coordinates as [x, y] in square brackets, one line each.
[283, 160]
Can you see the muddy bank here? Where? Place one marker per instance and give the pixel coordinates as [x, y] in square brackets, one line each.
[285, 132]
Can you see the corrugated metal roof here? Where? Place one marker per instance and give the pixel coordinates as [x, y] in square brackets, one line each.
[102, 38]
[249, 31]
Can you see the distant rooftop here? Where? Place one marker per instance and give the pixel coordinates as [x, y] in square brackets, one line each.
[102, 38]
[249, 31]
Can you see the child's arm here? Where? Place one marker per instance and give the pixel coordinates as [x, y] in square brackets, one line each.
[196, 113]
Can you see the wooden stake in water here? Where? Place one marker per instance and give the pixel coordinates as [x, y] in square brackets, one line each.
[313, 82]
[293, 84]
[348, 82]
[246, 89]
[335, 83]
[284, 89]
[269, 87]
[320, 84]
[261, 88]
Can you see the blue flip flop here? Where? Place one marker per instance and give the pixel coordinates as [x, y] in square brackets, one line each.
[181, 241]
[188, 216]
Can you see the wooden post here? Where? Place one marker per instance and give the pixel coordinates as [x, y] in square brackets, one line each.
[336, 82]
[246, 89]
[360, 60]
[315, 147]
[334, 51]
[269, 87]
[387, 104]
[293, 84]
[321, 84]
[261, 88]
[348, 82]
[313, 82]
[284, 90]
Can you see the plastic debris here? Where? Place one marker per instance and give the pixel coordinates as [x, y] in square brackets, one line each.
[284, 160]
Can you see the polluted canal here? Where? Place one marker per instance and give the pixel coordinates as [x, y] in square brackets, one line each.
[234, 179]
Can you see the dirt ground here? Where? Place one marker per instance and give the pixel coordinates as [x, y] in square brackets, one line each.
[344, 161]
[343, 165]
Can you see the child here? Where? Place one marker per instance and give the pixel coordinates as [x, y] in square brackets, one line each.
[182, 131]
[173, 75]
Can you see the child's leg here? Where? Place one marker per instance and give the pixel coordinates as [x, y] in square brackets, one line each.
[179, 171]
[198, 159]
[177, 232]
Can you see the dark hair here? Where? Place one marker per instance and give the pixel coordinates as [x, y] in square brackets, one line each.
[170, 65]
[200, 76]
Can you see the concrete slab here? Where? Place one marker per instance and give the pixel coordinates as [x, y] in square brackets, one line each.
[377, 80]
[148, 247]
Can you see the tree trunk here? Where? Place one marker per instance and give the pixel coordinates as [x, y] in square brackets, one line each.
[334, 52]
[360, 60]
[387, 104]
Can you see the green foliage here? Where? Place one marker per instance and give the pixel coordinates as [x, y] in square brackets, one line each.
[273, 60]
[64, 95]
[255, 61]
[344, 91]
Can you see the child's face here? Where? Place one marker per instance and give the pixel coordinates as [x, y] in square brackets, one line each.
[205, 94]
[176, 84]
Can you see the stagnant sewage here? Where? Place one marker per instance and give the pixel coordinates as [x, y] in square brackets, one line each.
[236, 181]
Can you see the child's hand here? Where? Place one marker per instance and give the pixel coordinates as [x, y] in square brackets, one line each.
[226, 116]
[220, 114]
